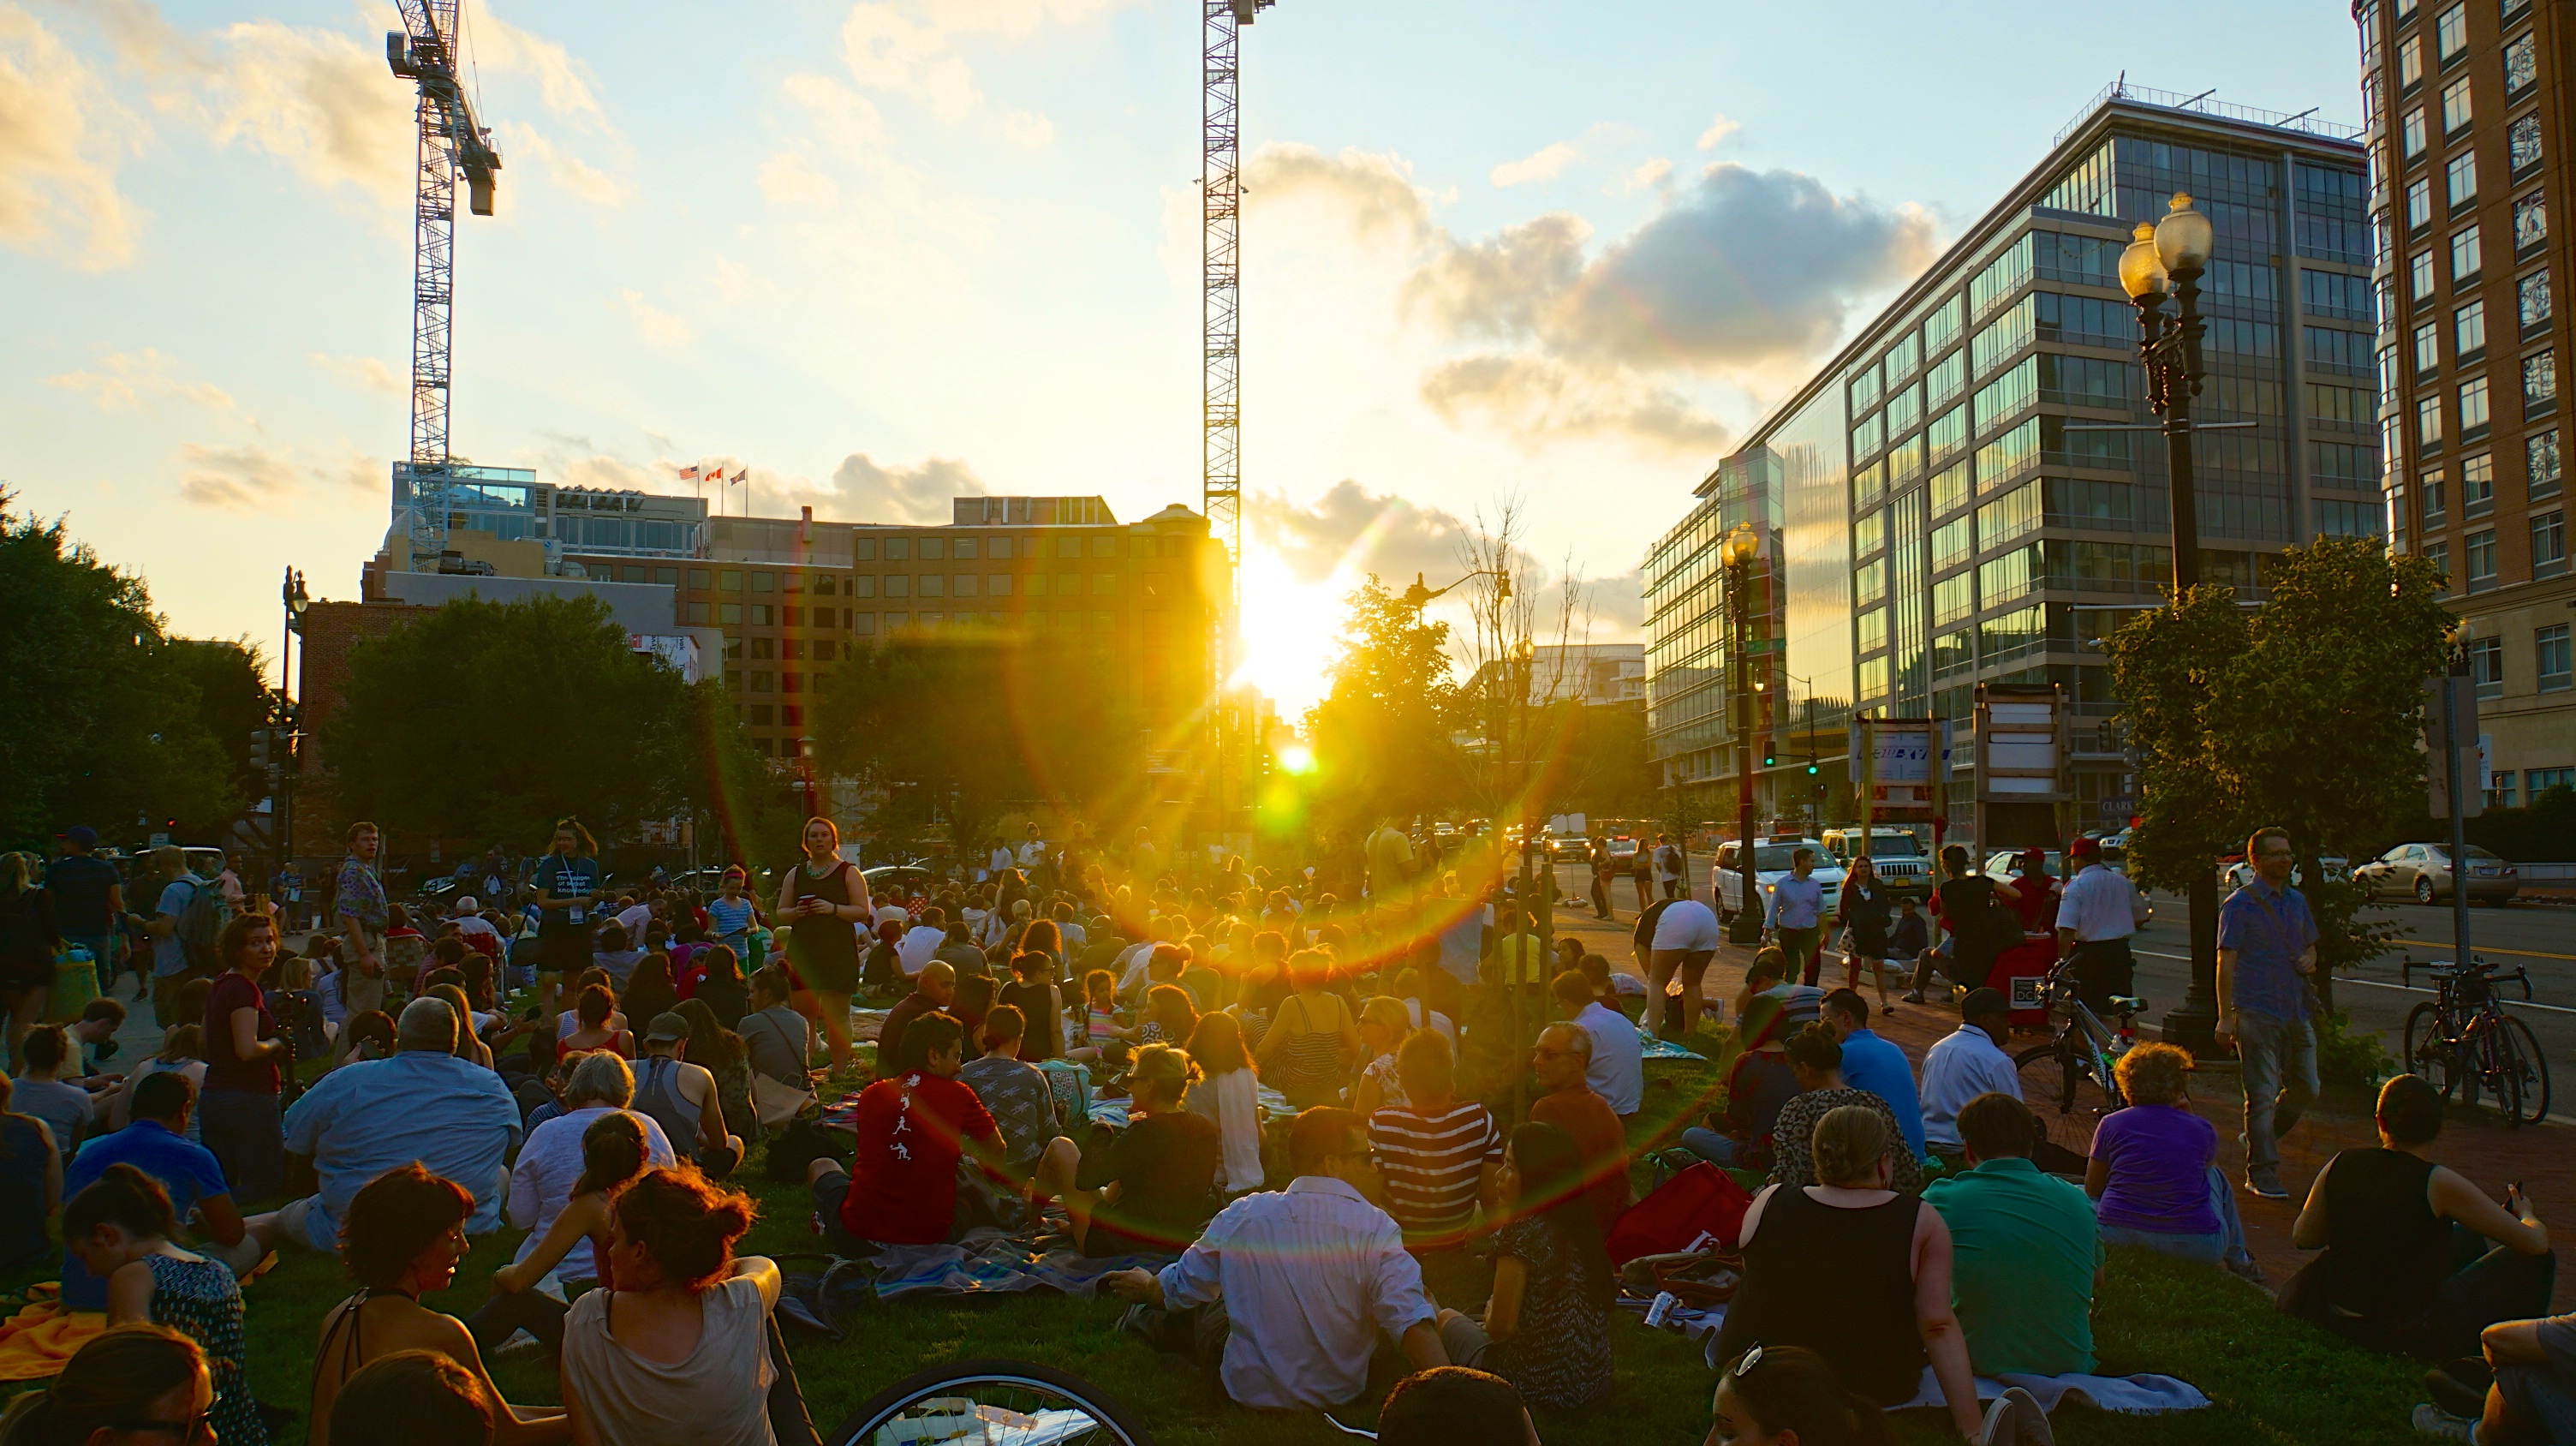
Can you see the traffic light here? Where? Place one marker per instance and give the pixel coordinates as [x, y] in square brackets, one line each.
[1768, 757]
[260, 741]
[1811, 768]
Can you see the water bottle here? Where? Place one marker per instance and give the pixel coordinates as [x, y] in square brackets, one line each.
[1661, 1311]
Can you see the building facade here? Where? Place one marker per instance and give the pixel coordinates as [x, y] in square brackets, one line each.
[2468, 136]
[1972, 491]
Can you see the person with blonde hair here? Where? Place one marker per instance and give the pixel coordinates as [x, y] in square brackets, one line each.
[1852, 1270]
[1385, 1024]
[1154, 1187]
[2153, 1173]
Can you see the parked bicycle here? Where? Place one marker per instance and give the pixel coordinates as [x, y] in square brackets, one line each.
[2462, 1041]
[2083, 1050]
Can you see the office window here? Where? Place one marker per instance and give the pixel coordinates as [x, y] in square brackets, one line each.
[2431, 485]
[2486, 669]
[1103, 584]
[2521, 64]
[931, 584]
[760, 715]
[2530, 222]
[2410, 60]
[701, 579]
[1869, 582]
[1954, 598]
[824, 586]
[2419, 278]
[2439, 554]
[763, 683]
[794, 617]
[2473, 407]
[729, 581]
[2465, 254]
[697, 613]
[1953, 543]
[2460, 180]
[1873, 677]
[2419, 214]
[2428, 348]
[1068, 547]
[1872, 631]
[962, 585]
[1904, 409]
[2522, 144]
[2451, 32]
[2550, 647]
[2531, 298]
[733, 649]
[2412, 132]
[1871, 434]
[764, 582]
[2428, 422]
[2469, 330]
[1869, 535]
[2455, 106]
[1946, 378]
[2541, 780]
[2405, 9]
[1104, 547]
[760, 615]
[791, 582]
[965, 550]
[2540, 464]
[997, 584]
[864, 624]
[864, 585]
[896, 622]
[863, 549]
[2388, 371]
[997, 549]
[2539, 382]
[1949, 431]
[898, 549]
[2549, 543]
[2336, 517]
[1864, 388]
[729, 613]
[1868, 483]
[898, 584]
[2481, 554]
[2477, 484]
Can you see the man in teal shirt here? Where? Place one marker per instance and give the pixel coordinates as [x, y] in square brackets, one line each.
[2025, 1249]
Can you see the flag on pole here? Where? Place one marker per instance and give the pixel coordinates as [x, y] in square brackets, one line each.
[742, 476]
[688, 474]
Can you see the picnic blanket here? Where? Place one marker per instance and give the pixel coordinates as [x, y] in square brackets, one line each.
[1652, 1047]
[867, 1024]
[1113, 1113]
[986, 1261]
[36, 1341]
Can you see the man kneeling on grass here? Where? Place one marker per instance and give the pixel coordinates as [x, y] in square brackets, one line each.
[1290, 1291]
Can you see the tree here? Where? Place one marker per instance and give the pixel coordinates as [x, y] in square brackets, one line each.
[485, 722]
[1381, 735]
[107, 730]
[233, 702]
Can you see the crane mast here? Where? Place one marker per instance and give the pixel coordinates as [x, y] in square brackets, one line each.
[1221, 441]
[452, 144]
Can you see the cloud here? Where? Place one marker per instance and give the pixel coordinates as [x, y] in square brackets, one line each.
[1546, 164]
[1502, 288]
[319, 101]
[1717, 132]
[61, 138]
[910, 47]
[844, 120]
[1373, 194]
[560, 171]
[659, 327]
[127, 378]
[866, 491]
[240, 479]
[734, 281]
[1536, 399]
[1028, 129]
[788, 179]
[563, 84]
[1644, 178]
[366, 373]
[1350, 529]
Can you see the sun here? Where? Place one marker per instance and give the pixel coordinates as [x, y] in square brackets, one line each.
[1290, 630]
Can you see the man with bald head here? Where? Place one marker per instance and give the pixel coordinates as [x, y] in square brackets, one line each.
[358, 1121]
[1559, 1059]
[931, 991]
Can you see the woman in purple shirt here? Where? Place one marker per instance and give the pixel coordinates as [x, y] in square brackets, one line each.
[2153, 1175]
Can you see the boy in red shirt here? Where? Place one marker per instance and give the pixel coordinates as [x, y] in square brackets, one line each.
[901, 1188]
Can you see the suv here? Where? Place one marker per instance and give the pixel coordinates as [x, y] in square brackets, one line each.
[1895, 852]
[1770, 866]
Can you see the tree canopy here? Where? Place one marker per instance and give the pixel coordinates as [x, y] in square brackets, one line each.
[1381, 736]
[487, 721]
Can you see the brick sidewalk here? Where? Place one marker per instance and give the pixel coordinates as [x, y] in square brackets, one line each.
[2477, 1145]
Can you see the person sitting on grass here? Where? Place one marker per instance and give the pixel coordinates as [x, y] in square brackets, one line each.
[1546, 1327]
[1016, 1095]
[31, 1185]
[1875, 1064]
[1758, 1086]
[1816, 1058]
[682, 1097]
[1153, 1187]
[1314, 1035]
[2417, 1260]
[404, 1237]
[780, 1040]
[1288, 1292]
[120, 1228]
[1228, 1094]
[2153, 1173]
[1559, 1061]
[414, 1398]
[1384, 1026]
[65, 1107]
[597, 1024]
[1855, 1272]
[2025, 1251]
[1616, 1070]
[1440, 1154]
[1454, 1406]
[901, 1186]
[134, 1385]
[1791, 1396]
[613, 1153]
[931, 992]
[2525, 1394]
[157, 1144]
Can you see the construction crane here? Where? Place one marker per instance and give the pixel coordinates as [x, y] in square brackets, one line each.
[1221, 315]
[452, 143]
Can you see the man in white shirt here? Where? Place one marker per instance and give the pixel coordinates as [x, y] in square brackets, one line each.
[1295, 1287]
[999, 859]
[915, 948]
[1033, 850]
[1617, 1068]
[2095, 917]
[478, 935]
[1964, 1065]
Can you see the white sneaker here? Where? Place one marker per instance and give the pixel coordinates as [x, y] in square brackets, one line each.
[2015, 1419]
[2432, 1420]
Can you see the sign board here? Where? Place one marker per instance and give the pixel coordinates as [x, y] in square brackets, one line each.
[2021, 743]
[2461, 710]
[1892, 772]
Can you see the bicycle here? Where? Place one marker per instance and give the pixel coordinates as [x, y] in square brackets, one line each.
[990, 1403]
[2462, 1040]
[2084, 1048]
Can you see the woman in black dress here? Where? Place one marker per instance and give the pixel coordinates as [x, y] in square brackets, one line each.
[1867, 911]
[821, 900]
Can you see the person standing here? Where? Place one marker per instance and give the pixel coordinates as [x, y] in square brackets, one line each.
[1641, 868]
[1866, 910]
[1601, 871]
[2100, 910]
[821, 899]
[89, 897]
[358, 901]
[30, 935]
[287, 886]
[1390, 860]
[2267, 952]
[567, 886]
[1795, 915]
[169, 953]
[1668, 865]
[240, 1115]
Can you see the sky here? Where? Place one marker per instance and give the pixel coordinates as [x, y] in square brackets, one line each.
[1543, 257]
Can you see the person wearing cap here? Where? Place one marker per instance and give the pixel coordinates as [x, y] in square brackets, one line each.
[89, 897]
[681, 1097]
[1968, 1062]
[2098, 913]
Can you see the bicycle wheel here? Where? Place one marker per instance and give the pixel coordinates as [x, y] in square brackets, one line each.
[2049, 1072]
[990, 1403]
[2519, 1052]
[2428, 1055]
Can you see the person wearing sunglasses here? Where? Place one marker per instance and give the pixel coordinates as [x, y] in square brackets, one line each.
[132, 1385]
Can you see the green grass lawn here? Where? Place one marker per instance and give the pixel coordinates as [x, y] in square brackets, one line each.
[2273, 1380]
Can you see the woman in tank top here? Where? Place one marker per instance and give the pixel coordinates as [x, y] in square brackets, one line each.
[1312, 1039]
[1855, 1272]
[821, 900]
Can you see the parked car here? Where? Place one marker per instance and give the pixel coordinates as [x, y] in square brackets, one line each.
[900, 881]
[1771, 859]
[1564, 846]
[1895, 852]
[1623, 851]
[2236, 873]
[2423, 871]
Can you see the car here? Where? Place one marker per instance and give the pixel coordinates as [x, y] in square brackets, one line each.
[1563, 846]
[2423, 871]
[2238, 873]
[1895, 853]
[901, 881]
[1623, 849]
[1771, 861]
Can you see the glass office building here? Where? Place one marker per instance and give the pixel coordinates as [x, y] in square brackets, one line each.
[1967, 494]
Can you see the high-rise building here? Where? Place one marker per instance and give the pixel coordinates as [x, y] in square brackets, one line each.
[1971, 491]
[2468, 132]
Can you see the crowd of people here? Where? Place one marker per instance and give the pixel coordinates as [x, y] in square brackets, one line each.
[1314, 1168]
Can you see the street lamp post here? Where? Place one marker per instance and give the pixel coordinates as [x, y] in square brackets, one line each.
[283, 757]
[2169, 256]
[1736, 552]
